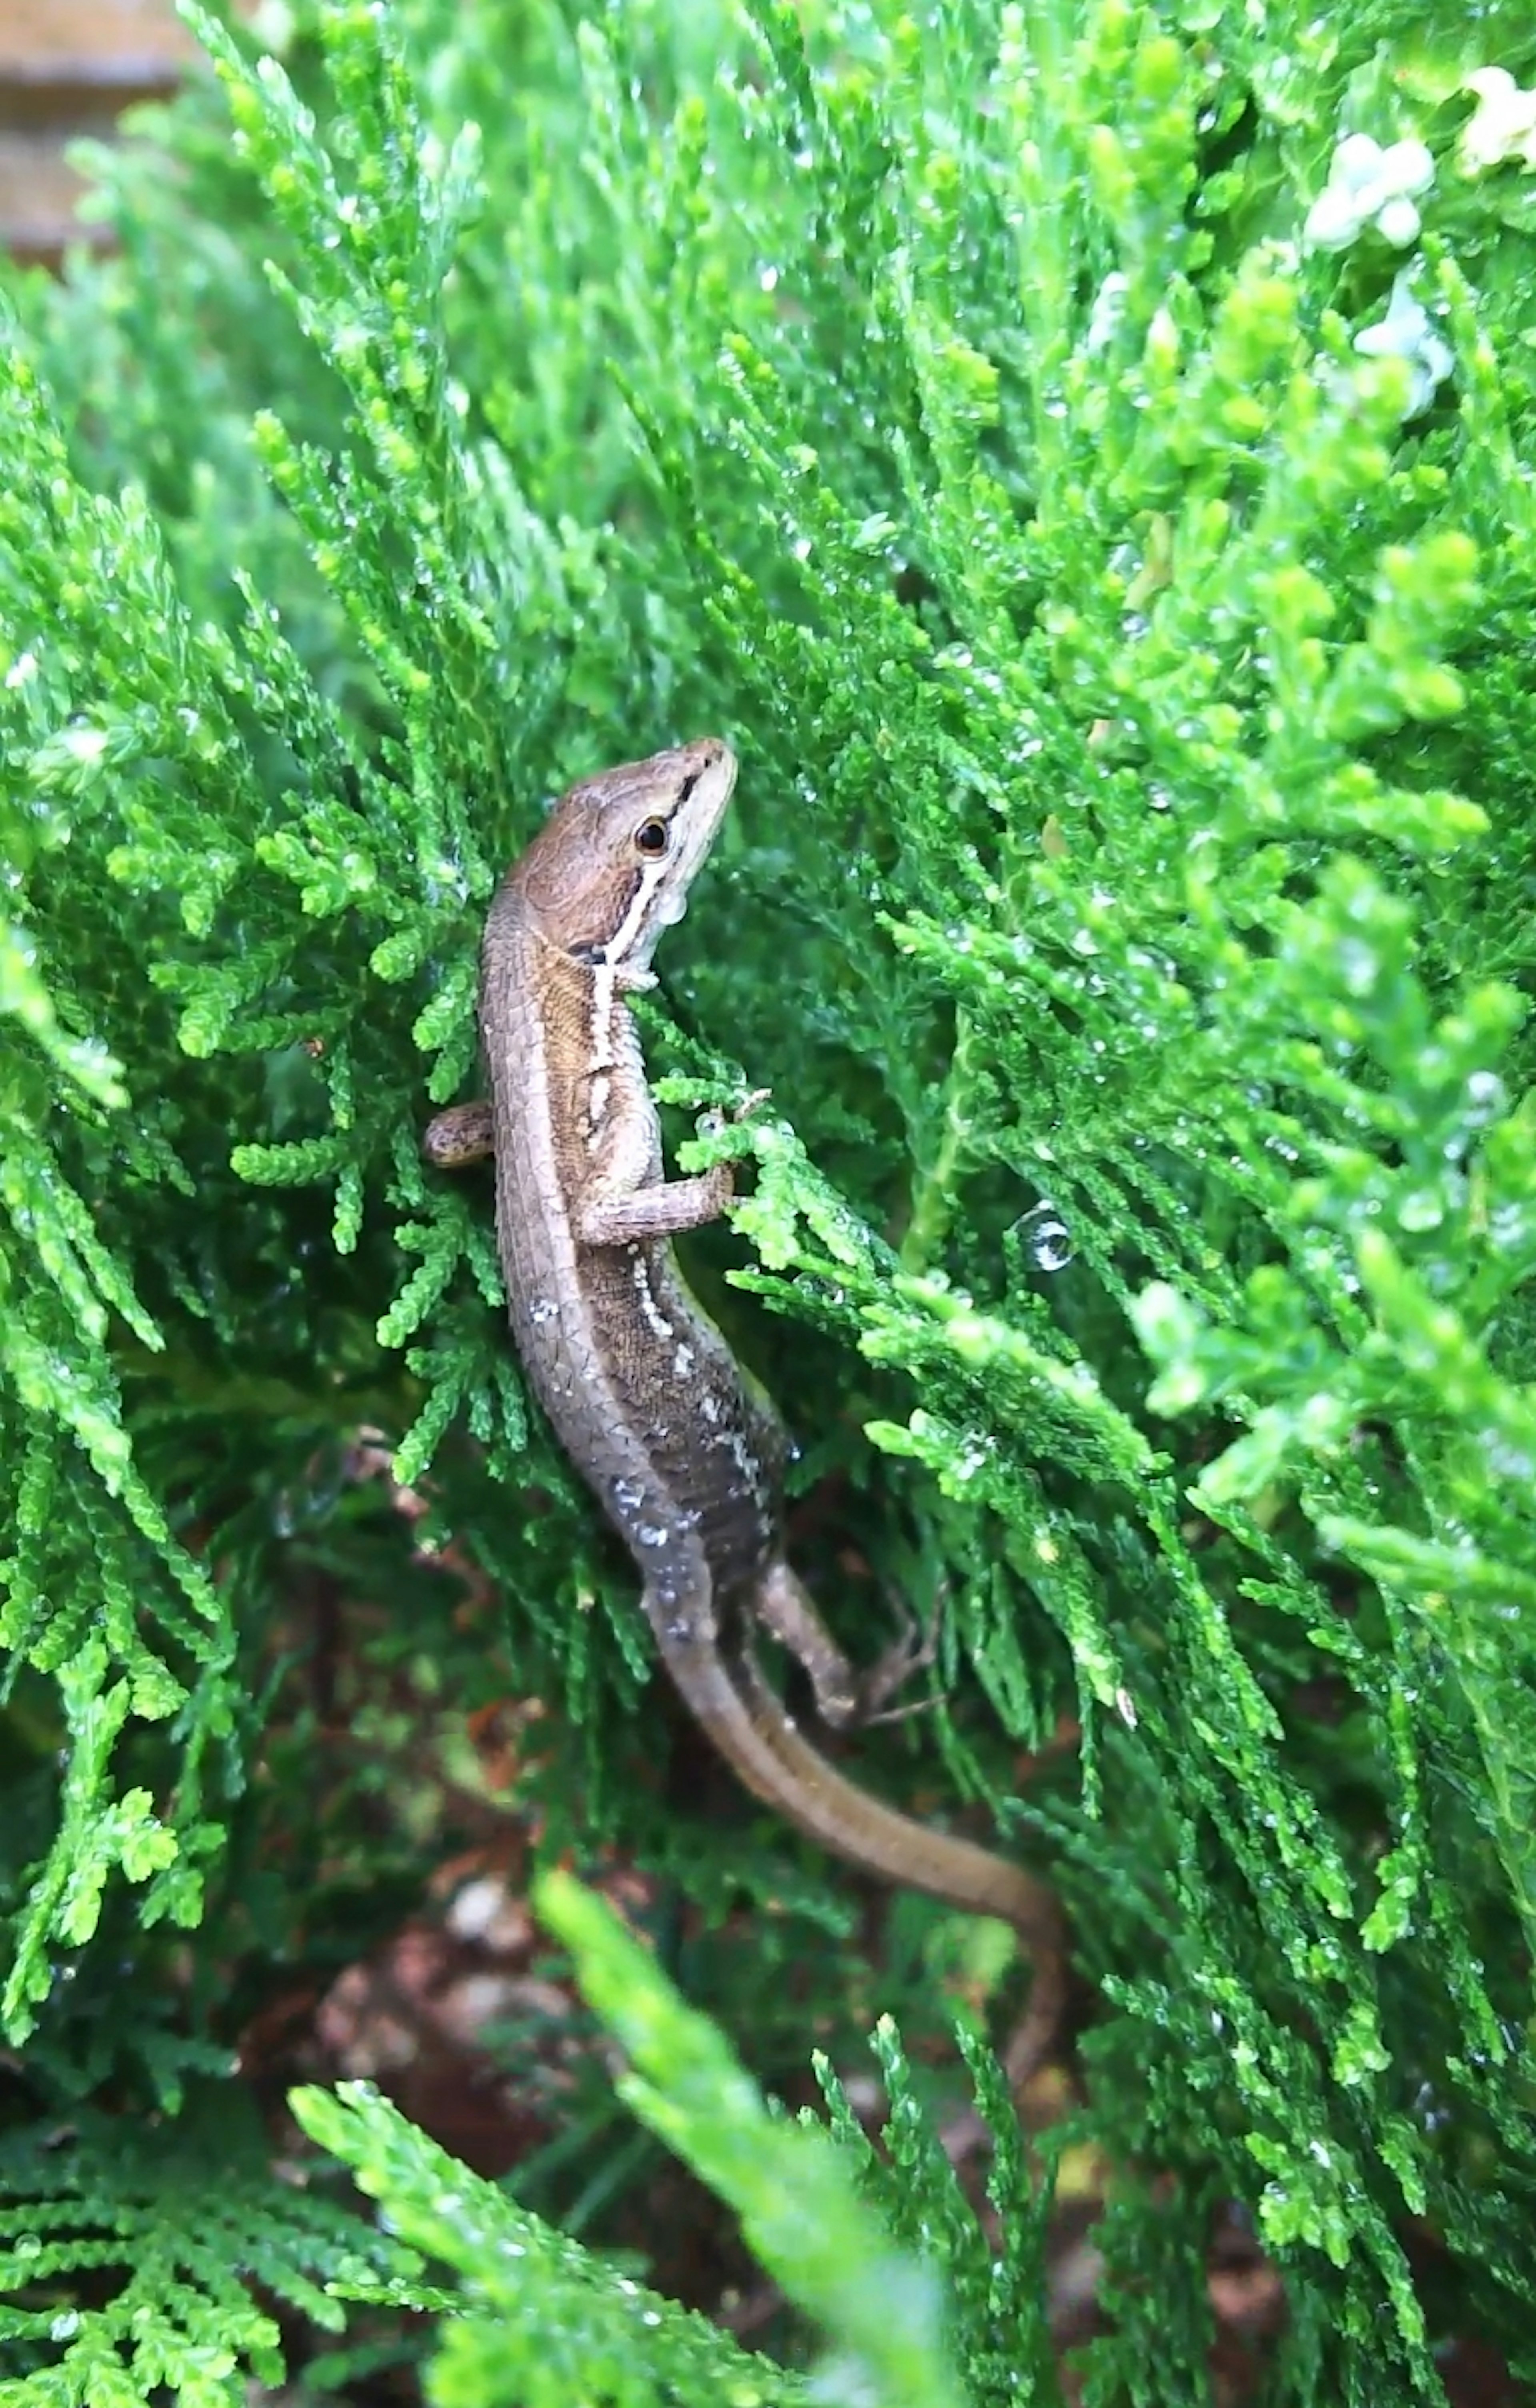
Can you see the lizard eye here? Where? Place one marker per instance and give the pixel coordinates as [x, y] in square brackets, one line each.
[652, 837]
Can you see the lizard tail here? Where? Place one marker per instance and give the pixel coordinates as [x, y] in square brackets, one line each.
[748, 1724]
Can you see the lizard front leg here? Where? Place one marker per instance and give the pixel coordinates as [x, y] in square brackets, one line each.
[624, 1202]
[461, 1133]
[605, 1219]
[610, 1213]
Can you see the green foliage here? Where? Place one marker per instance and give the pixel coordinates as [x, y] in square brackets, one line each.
[180, 2234]
[547, 2323]
[1120, 599]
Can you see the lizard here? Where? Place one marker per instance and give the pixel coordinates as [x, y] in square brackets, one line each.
[682, 1450]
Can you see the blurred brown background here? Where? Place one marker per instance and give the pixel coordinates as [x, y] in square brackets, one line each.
[67, 67]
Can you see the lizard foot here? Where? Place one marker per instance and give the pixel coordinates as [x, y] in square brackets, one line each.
[913, 1649]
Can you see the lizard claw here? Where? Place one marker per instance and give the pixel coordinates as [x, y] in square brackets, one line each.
[711, 1122]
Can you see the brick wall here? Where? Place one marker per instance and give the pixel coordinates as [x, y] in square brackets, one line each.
[69, 68]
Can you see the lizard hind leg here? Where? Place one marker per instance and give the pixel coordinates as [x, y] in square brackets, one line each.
[846, 1696]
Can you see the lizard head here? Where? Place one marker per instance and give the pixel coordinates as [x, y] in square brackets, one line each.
[612, 864]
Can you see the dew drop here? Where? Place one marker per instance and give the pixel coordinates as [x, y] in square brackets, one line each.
[1045, 1234]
